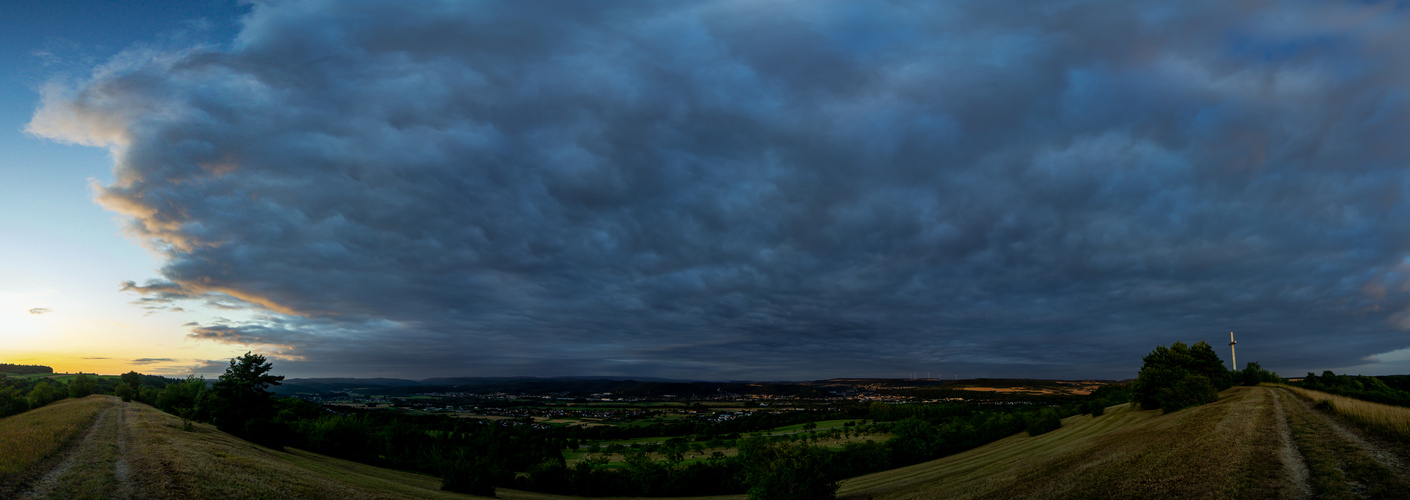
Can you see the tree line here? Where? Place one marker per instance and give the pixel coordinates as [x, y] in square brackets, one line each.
[21, 394]
[1356, 386]
[24, 369]
[1181, 376]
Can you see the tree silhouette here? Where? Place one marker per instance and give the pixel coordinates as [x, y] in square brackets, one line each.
[242, 404]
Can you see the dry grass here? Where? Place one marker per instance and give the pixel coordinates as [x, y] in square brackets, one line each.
[207, 463]
[1388, 421]
[1338, 468]
[31, 437]
[1221, 450]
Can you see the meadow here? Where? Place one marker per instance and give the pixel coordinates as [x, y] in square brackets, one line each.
[1391, 422]
[1224, 449]
[31, 437]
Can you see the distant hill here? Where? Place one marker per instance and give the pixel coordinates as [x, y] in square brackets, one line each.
[650, 387]
[24, 369]
[527, 385]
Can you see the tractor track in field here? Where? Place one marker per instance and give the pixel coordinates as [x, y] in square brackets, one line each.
[1385, 454]
[1381, 454]
[103, 450]
[1293, 464]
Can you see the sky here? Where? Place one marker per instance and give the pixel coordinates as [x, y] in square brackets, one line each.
[704, 190]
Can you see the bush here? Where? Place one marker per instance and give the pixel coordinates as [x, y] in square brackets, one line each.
[915, 440]
[1042, 422]
[471, 477]
[1180, 377]
[1254, 374]
[1192, 390]
[789, 472]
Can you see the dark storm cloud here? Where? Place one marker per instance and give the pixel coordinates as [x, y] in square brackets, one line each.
[750, 189]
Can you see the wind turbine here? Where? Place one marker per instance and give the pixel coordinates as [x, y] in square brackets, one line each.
[1233, 354]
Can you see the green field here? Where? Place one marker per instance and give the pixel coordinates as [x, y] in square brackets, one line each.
[62, 377]
[823, 425]
[693, 456]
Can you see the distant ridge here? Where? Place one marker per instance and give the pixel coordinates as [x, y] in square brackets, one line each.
[628, 386]
[532, 385]
[24, 369]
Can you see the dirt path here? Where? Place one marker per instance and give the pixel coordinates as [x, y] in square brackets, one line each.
[96, 466]
[1293, 464]
[1380, 454]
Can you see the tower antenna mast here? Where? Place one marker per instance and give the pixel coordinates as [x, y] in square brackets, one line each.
[1233, 354]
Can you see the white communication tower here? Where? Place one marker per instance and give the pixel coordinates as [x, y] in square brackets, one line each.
[1233, 354]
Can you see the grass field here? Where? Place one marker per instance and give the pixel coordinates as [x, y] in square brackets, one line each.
[616, 460]
[61, 377]
[30, 437]
[1388, 421]
[822, 426]
[1219, 450]
[1338, 468]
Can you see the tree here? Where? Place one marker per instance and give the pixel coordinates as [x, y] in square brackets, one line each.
[475, 476]
[1042, 421]
[181, 399]
[787, 471]
[1254, 374]
[129, 386]
[45, 392]
[242, 405]
[82, 385]
[916, 440]
[1179, 377]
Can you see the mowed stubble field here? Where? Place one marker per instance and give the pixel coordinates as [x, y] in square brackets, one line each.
[1255, 442]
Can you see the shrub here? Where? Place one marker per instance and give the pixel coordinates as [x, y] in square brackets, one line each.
[1254, 374]
[789, 472]
[1179, 377]
[915, 440]
[466, 476]
[1042, 422]
[1192, 390]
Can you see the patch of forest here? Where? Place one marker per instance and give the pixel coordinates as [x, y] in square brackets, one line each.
[24, 369]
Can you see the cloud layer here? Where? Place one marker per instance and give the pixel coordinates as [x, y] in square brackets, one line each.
[758, 189]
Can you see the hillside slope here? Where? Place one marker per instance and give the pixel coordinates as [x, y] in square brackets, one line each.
[1255, 442]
